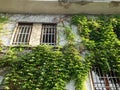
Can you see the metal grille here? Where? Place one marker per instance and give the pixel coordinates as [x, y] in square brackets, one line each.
[110, 81]
[49, 32]
[22, 34]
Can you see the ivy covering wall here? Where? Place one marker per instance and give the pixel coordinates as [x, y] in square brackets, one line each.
[3, 20]
[101, 37]
[50, 68]
[44, 68]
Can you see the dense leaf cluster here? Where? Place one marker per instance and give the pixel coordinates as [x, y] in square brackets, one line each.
[3, 20]
[44, 68]
[101, 36]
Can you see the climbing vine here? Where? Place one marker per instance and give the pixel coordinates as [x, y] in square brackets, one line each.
[70, 37]
[100, 36]
[3, 20]
[44, 68]
[49, 68]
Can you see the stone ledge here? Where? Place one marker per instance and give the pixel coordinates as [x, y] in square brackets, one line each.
[55, 7]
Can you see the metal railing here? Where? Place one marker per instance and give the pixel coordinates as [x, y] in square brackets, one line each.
[22, 34]
[49, 32]
[101, 81]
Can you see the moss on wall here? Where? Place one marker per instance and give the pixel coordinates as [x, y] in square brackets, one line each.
[3, 20]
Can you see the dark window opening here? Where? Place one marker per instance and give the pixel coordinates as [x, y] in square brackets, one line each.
[49, 32]
[22, 34]
[117, 31]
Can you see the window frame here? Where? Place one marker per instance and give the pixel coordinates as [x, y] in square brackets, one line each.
[40, 37]
[47, 34]
[101, 81]
[22, 29]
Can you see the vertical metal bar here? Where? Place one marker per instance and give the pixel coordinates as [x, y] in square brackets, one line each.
[54, 34]
[22, 34]
[96, 77]
[51, 35]
[115, 80]
[118, 81]
[48, 34]
[92, 79]
[42, 34]
[100, 77]
[111, 76]
[15, 35]
[53, 41]
[29, 33]
[45, 30]
[18, 36]
[25, 34]
[106, 82]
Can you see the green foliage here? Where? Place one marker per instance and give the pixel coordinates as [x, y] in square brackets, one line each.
[44, 68]
[70, 37]
[101, 36]
[3, 19]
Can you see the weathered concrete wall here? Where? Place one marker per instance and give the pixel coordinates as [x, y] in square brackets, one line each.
[38, 19]
[55, 7]
[59, 19]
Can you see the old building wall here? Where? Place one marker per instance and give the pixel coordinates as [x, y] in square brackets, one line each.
[55, 7]
[61, 20]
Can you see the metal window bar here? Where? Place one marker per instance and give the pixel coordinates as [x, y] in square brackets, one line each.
[110, 81]
[48, 35]
[22, 34]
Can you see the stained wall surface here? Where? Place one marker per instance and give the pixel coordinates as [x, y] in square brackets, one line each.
[39, 19]
[55, 7]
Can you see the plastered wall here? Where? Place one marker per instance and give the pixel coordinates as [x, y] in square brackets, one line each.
[39, 19]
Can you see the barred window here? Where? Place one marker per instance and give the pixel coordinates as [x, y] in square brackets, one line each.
[110, 81]
[34, 34]
[49, 34]
[22, 34]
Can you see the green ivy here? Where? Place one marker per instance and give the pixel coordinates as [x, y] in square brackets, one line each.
[47, 68]
[100, 35]
[44, 68]
[3, 20]
[70, 36]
